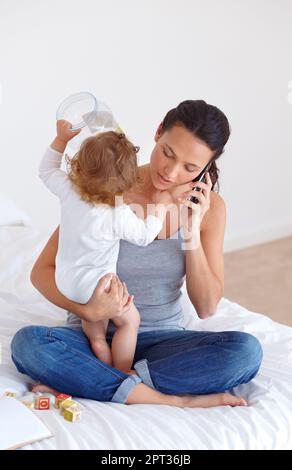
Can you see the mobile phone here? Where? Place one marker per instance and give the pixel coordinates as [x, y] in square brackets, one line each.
[200, 177]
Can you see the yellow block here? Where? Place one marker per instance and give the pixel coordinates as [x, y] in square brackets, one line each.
[66, 404]
[72, 414]
[11, 394]
[28, 404]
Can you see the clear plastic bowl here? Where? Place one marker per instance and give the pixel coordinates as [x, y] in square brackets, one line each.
[80, 109]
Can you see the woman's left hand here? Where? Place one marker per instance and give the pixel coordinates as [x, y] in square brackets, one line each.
[191, 213]
[203, 197]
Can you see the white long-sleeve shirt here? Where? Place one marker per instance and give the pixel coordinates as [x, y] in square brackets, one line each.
[89, 234]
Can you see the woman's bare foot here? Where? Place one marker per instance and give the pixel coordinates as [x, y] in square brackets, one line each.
[44, 389]
[143, 394]
[208, 401]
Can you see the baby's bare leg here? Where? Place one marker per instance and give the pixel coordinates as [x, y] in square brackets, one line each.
[125, 339]
[96, 333]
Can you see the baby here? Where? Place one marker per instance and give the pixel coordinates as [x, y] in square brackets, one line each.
[92, 224]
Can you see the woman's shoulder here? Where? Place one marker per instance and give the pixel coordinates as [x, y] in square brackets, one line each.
[216, 201]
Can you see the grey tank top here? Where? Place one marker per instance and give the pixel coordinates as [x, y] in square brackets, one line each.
[154, 275]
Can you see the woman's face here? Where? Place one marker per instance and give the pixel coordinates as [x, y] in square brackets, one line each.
[177, 158]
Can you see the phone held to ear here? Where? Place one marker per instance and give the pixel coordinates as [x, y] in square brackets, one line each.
[200, 177]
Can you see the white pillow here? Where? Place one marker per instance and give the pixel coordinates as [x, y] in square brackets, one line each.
[10, 214]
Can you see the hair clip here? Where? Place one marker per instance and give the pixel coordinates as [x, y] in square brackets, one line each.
[119, 130]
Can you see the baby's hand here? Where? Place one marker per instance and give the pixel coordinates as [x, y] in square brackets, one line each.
[64, 132]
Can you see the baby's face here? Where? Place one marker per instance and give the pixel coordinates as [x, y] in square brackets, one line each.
[177, 158]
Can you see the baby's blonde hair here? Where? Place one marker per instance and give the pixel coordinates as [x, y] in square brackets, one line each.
[104, 167]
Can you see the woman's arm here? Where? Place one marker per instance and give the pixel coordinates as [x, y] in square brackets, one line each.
[102, 305]
[43, 278]
[205, 263]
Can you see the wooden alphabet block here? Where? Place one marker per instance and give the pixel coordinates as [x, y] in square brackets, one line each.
[11, 394]
[72, 414]
[60, 398]
[42, 403]
[28, 404]
[66, 404]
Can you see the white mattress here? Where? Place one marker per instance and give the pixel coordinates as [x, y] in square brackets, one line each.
[265, 424]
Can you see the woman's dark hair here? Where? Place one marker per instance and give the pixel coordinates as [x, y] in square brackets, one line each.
[206, 122]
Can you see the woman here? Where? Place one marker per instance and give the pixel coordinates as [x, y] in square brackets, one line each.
[172, 365]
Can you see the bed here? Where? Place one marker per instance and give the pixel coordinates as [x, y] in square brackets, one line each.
[265, 424]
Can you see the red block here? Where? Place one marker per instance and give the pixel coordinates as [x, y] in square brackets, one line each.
[42, 403]
[61, 397]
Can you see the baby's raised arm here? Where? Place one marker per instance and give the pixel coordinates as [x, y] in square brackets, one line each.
[50, 173]
[64, 134]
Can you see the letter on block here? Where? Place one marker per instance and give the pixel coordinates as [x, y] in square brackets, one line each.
[66, 404]
[61, 397]
[42, 403]
[73, 413]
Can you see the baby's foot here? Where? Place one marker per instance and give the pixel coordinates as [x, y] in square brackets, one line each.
[131, 372]
[44, 389]
[125, 370]
[215, 399]
[102, 350]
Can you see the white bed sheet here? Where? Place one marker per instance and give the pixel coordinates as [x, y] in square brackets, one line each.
[265, 424]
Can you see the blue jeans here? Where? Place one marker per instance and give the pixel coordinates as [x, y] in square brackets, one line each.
[171, 361]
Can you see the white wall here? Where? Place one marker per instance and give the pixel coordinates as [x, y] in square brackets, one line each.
[142, 58]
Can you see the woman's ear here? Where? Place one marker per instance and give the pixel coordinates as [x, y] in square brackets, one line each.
[158, 132]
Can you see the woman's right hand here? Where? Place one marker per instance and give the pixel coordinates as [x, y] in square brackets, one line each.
[105, 304]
